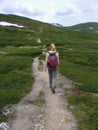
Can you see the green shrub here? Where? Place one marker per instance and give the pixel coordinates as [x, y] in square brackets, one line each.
[15, 79]
[85, 109]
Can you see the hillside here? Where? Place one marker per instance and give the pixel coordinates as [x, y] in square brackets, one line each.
[78, 49]
[46, 32]
[90, 27]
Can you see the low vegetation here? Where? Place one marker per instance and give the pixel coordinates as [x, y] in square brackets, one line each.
[15, 74]
[85, 109]
[81, 66]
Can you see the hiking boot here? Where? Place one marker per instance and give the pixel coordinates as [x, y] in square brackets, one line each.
[53, 90]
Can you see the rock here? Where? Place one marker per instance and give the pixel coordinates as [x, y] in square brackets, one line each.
[4, 126]
[7, 111]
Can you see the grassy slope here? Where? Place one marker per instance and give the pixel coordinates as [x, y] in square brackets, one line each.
[78, 55]
[87, 27]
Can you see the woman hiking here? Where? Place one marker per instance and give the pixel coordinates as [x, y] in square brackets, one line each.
[52, 62]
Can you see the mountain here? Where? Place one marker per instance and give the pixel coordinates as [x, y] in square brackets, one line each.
[32, 30]
[15, 19]
[57, 24]
[87, 27]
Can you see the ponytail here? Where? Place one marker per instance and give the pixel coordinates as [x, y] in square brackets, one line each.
[53, 47]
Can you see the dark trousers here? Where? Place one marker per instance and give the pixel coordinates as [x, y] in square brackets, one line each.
[52, 77]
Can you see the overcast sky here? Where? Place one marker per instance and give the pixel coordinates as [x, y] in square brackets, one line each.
[65, 12]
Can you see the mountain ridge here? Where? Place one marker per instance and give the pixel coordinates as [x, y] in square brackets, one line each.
[47, 33]
[87, 26]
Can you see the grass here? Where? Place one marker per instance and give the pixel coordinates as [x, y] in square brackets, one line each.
[85, 108]
[26, 51]
[15, 74]
[85, 76]
[81, 67]
[15, 79]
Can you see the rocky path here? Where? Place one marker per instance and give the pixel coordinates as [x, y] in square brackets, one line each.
[53, 114]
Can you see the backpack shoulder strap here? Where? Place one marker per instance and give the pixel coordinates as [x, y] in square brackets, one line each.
[52, 53]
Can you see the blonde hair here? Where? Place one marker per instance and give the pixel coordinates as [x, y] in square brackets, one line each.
[52, 47]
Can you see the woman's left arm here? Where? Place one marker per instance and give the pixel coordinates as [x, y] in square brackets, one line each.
[58, 60]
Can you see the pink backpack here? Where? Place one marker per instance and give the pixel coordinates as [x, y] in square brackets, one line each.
[53, 60]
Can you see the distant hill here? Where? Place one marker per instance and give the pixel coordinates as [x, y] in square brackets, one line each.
[29, 23]
[88, 27]
[33, 30]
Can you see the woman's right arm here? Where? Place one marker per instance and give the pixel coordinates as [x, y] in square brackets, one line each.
[46, 60]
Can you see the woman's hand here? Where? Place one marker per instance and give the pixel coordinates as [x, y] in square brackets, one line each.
[45, 68]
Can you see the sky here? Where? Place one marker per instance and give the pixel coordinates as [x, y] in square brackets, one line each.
[64, 12]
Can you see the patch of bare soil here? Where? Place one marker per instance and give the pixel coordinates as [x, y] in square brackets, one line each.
[53, 114]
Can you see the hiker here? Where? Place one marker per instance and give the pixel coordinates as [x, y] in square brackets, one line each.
[51, 55]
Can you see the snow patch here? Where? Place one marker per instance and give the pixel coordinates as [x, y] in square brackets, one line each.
[3, 23]
[57, 24]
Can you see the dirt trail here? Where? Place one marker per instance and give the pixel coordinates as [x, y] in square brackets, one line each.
[54, 115]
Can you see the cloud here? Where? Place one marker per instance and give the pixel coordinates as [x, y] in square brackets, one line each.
[66, 12]
[1, 1]
[33, 13]
[25, 11]
[9, 10]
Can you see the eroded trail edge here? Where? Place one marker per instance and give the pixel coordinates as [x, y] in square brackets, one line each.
[53, 115]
